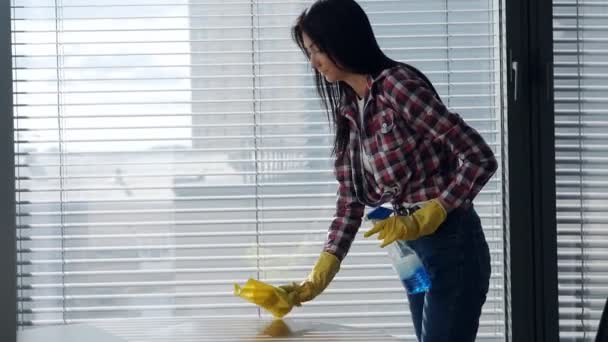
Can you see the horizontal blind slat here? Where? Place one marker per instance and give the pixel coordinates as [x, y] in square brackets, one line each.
[246, 117]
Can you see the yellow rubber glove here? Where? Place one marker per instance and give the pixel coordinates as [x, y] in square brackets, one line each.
[273, 299]
[319, 278]
[422, 222]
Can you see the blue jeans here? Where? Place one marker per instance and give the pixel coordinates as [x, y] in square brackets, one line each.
[457, 259]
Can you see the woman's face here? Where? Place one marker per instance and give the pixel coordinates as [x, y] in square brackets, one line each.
[321, 61]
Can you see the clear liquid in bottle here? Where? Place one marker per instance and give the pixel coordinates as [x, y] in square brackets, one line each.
[409, 267]
[406, 262]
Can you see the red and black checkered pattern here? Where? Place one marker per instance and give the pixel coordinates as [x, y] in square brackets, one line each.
[418, 149]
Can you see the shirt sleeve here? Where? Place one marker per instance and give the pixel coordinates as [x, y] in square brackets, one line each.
[428, 116]
[349, 211]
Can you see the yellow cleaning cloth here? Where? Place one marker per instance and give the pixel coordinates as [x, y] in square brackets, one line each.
[272, 299]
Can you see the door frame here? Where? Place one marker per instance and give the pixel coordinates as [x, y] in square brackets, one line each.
[8, 252]
[531, 211]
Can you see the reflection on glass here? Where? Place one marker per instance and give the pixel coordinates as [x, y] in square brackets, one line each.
[276, 328]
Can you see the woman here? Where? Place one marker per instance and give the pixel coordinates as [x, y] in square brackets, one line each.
[396, 142]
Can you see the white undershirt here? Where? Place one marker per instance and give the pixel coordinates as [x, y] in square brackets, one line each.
[366, 164]
[361, 105]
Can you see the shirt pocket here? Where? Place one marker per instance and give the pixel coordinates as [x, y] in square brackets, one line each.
[387, 133]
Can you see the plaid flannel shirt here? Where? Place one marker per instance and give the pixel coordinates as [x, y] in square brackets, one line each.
[418, 149]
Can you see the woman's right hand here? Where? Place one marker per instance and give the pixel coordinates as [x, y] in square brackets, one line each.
[319, 278]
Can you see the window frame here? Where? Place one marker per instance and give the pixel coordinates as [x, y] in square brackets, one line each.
[532, 254]
[531, 181]
[8, 252]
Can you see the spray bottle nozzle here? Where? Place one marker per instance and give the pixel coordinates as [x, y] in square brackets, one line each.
[378, 213]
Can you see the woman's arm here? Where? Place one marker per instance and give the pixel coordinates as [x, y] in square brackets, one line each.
[410, 96]
[349, 211]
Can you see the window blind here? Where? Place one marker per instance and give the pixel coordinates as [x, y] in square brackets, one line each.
[166, 150]
[581, 117]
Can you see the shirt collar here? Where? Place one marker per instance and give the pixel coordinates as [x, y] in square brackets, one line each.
[350, 97]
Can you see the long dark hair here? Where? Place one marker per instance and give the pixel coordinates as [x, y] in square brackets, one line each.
[341, 29]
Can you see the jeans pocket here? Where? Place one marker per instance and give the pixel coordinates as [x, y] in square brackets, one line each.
[443, 257]
[480, 252]
[483, 261]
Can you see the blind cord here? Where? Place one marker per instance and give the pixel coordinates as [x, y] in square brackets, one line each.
[256, 118]
[59, 65]
[580, 168]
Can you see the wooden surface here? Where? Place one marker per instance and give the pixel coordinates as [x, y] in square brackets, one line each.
[66, 333]
[201, 330]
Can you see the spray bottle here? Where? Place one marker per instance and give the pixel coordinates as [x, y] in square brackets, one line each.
[406, 263]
